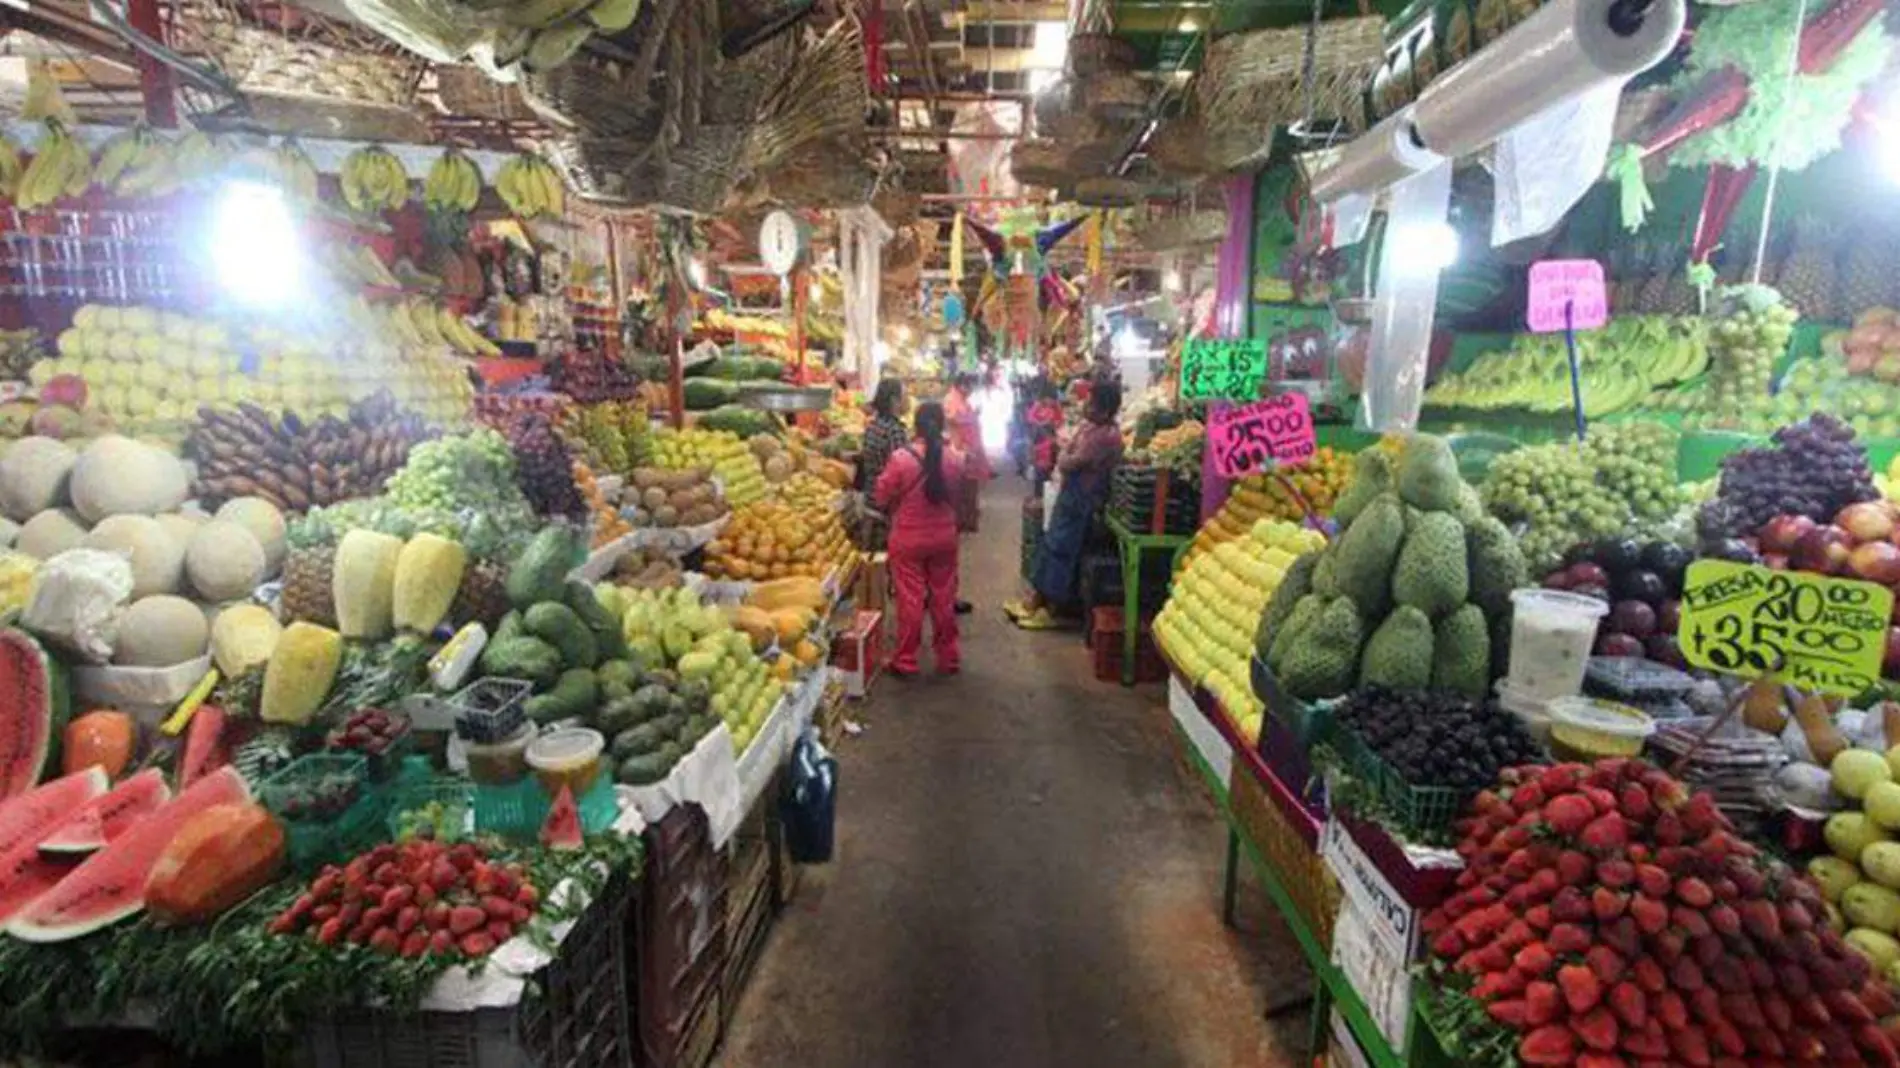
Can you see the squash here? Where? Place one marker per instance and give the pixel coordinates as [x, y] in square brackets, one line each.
[428, 573]
[103, 737]
[364, 584]
[300, 673]
[221, 856]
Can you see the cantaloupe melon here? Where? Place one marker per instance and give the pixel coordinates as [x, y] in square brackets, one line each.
[158, 562]
[50, 533]
[159, 632]
[182, 525]
[224, 562]
[119, 476]
[265, 523]
[33, 476]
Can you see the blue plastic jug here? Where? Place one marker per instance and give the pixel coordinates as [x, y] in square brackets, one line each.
[808, 806]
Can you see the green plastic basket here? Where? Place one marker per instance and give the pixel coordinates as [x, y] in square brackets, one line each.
[314, 839]
[455, 818]
[519, 810]
[1424, 811]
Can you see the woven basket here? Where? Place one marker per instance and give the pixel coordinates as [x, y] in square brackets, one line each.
[468, 93]
[601, 170]
[1256, 79]
[1115, 96]
[342, 85]
[1182, 231]
[1094, 157]
[592, 98]
[824, 97]
[1040, 163]
[1072, 126]
[1100, 53]
[744, 84]
[1106, 192]
[701, 173]
[826, 175]
[1179, 146]
[1052, 103]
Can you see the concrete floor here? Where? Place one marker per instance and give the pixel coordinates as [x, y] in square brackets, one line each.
[1027, 875]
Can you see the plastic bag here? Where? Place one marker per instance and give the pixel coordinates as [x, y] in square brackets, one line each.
[77, 599]
[809, 804]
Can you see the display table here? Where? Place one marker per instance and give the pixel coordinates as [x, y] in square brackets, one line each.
[1132, 548]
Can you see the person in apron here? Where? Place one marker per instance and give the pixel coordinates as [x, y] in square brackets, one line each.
[1085, 464]
[917, 489]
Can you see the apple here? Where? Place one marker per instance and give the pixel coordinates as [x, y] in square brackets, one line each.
[1890, 660]
[1875, 561]
[1557, 580]
[1619, 645]
[1664, 649]
[1780, 534]
[1823, 550]
[1867, 520]
[1587, 574]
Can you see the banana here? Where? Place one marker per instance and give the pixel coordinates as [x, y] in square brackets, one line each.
[405, 326]
[10, 167]
[554, 194]
[295, 169]
[612, 16]
[55, 161]
[423, 316]
[117, 154]
[557, 44]
[453, 183]
[511, 182]
[150, 173]
[454, 331]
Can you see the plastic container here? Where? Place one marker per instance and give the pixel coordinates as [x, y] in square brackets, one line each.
[1551, 635]
[1534, 714]
[489, 710]
[502, 763]
[1632, 678]
[1587, 728]
[569, 758]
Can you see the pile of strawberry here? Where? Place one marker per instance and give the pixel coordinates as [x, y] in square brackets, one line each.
[1616, 921]
[417, 897]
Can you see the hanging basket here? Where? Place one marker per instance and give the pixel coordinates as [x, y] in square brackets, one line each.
[1115, 96]
[744, 84]
[465, 92]
[601, 170]
[1176, 232]
[1100, 53]
[1105, 192]
[702, 173]
[823, 97]
[1039, 163]
[1256, 79]
[827, 175]
[1179, 146]
[590, 97]
[337, 83]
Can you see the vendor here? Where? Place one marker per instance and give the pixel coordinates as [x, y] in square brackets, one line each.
[885, 434]
[1085, 464]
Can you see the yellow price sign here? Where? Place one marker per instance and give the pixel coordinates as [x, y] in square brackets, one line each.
[1811, 631]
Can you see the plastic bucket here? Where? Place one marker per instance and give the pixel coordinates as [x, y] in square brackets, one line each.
[1551, 635]
[1586, 728]
[1534, 714]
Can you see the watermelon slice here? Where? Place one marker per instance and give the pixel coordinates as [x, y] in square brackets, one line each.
[110, 885]
[562, 830]
[84, 833]
[204, 749]
[31, 693]
[28, 869]
[28, 817]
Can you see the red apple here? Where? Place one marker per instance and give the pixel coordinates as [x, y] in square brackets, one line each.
[1780, 534]
[1619, 645]
[1867, 520]
[1557, 580]
[1633, 618]
[1669, 617]
[1664, 649]
[1587, 574]
[1823, 550]
[1875, 561]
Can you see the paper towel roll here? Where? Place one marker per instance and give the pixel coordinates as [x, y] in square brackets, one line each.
[1375, 159]
[1567, 47]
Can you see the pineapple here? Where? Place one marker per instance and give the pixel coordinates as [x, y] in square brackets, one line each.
[1808, 276]
[308, 572]
[1865, 273]
[482, 596]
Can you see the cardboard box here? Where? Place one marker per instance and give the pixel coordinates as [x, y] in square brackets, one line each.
[859, 652]
[873, 588]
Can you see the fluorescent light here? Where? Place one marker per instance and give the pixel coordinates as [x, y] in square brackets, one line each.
[255, 246]
[1051, 47]
[1423, 247]
[1188, 25]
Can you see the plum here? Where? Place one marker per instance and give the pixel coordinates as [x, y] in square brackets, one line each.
[1664, 649]
[1633, 617]
[1587, 574]
[1669, 616]
[1615, 644]
[1639, 585]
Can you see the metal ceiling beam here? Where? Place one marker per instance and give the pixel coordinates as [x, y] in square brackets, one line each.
[1004, 12]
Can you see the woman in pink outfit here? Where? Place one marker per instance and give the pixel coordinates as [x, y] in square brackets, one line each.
[918, 491]
[966, 436]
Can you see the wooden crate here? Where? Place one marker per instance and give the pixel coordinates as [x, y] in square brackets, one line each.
[1307, 879]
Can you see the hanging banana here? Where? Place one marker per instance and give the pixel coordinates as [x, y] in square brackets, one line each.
[59, 163]
[296, 171]
[530, 186]
[11, 167]
[453, 183]
[150, 172]
[373, 180]
[117, 154]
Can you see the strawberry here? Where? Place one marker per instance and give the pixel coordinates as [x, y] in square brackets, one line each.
[1668, 946]
[1776, 1010]
[1622, 935]
[407, 919]
[1448, 943]
[1559, 779]
[1705, 1004]
[1572, 867]
[1760, 975]
[1725, 920]
[1765, 1042]
[466, 918]
[1597, 1028]
[1570, 905]
[1580, 987]
[1605, 962]
[1569, 938]
[1652, 881]
[1592, 1059]
[1692, 923]
[1605, 834]
[1602, 800]
[1840, 1049]
[1794, 980]
[1499, 985]
[500, 930]
[1646, 1043]
[1527, 798]
[1700, 816]
[1709, 952]
[1569, 814]
[1651, 915]
[1762, 920]
[1548, 1045]
[1492, 958]
[330, 932]
[1876, 1044]
[1686, 974]
[385, 940]
[441, 942]
[1542, 1003]
[1616, 874]
[1515, 935]
[1649, 975]
[1534, 959]
[1694, 892]
[1539, 918]
[396, 897]
[477, 944]
[1846, 1007]
[1607, 904]
[1879, 999]
[1671, 1010]
[1634, 802]
[416, 944]
[1510, 1013]
[1629, 1004]
[1666, 831]
[1691, 1045]
[1744, 1009]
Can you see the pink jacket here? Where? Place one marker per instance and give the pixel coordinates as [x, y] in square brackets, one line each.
[918, 523]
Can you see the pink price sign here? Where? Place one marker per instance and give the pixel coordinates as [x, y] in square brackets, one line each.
[1250, 438]
[1573, 284]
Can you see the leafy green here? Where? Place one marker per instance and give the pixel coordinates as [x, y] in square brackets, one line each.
[209, 988]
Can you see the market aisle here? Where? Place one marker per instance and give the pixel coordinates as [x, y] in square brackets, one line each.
[1026, 876]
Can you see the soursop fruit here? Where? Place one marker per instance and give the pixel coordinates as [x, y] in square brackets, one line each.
[1305, 611]
[1367, 551]
[1319, 660]
[1294, 585]
[1371, 476]
[1430, 574]
[1428, 474]
[1495, 564]
[1461, 653]
[1399, 653]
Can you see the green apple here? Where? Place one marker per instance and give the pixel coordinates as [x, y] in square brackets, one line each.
[1834, 875]
[1848, 833]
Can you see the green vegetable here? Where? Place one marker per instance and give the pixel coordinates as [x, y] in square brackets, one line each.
[606, 629]
[643, 769]
[618, 672]
[651, 701]
[523, 658]
[1430, 574]
[509, 627]
[616, 715]
[1496, 565]
[740, 420]
[1428, 474]
[556, 624]
[1461, 653]
[575, 694]
[1371, 476]
[540, 573]
[1367, 551]
[644, 738]
[705, 394]
[1319, 659]
[1399, 653]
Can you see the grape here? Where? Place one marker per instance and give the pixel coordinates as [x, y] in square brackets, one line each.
[544, 467]
[1814, 468]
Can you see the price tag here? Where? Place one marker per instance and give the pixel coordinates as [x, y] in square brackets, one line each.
[1811, 631]
[1223, 369]
[1576, 284]
[1276, 432]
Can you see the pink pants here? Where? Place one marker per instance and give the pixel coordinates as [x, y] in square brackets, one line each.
[925, 576]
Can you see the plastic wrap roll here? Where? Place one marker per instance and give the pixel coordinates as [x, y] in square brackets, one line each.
[1381, 156]
[1566, 48]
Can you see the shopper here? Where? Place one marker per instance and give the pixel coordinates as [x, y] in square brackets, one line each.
[966, 435]
[916, 489]
[885, 435]
[1045, 420]
[1085, 464]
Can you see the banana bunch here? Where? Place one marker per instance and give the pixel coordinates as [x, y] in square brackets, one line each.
[530, 187]
[424, 325]
[60, 167]
[543, 34]
[295, 170]
[121, 152]
[373, 180]
[454, 183]
[11, 167]
[197, 158]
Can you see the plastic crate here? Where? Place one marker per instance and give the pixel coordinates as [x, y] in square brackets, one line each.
[316, 838]
[1413, 809]
[681, 934]
[456, 797]
[1307, 879]
[519, 809]
[576, 1017]
[1150, 500]
[1105, 646]
[1305, 721]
